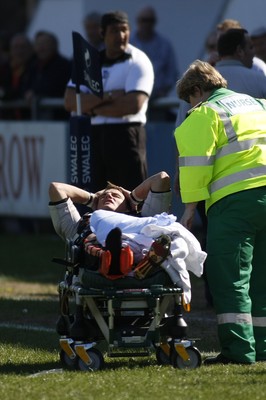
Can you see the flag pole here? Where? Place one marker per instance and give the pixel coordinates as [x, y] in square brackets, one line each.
[78, 100]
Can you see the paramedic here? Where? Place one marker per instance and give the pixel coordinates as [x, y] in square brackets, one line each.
[222, 160]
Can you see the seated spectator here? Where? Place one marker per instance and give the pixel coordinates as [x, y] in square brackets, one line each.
[92, 26]
[51, 72]
[211, 48]
[4, 52]
[159, 50]
[17, 75]
[258, 37]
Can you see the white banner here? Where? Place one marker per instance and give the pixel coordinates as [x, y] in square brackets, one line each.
[32, 154]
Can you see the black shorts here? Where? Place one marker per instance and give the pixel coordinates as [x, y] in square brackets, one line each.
[118, 155]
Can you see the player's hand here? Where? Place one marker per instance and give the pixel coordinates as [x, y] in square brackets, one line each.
[128, 198]
[96, 197]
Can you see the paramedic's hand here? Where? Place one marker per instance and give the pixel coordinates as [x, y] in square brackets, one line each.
[188, 216]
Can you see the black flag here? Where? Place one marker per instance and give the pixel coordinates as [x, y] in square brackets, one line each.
[86, 66]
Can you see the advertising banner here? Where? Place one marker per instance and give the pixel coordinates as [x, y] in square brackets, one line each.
[32, 154]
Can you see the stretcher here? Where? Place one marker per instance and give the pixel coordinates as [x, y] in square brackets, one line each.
[126, 317]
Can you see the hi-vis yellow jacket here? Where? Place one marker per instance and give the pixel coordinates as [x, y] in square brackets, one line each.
[222, 147]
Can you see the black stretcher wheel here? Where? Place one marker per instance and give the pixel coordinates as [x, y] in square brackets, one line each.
[193, 362]
[67, 362]
[96, 361]
[161, 357]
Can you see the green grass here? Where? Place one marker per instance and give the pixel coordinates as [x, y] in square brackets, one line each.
[29, 363]
[29, 257]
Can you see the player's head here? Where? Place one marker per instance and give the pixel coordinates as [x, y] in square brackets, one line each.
[113, 199]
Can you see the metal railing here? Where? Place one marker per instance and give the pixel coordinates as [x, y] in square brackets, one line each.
[38, 105]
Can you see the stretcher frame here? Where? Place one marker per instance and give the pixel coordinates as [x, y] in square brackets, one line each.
[131, 322]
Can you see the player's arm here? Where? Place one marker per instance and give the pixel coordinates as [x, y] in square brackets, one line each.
[59, 191]
[159, 183]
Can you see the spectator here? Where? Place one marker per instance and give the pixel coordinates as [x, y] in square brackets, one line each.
[258, 38]
[159, 50]
[211, 48]
[51, 71]
[258, 64]
[118, 137]
[222, 161]
[18, 74]
[92, 26]
[4, 50]
[236, 56]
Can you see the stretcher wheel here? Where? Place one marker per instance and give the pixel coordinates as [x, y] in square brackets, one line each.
[193, 362]
[161, 357]
[96, 361]
[67, 362]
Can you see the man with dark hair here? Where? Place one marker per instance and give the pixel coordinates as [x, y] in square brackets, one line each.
[118, 137]
[238, 40]
[236, 54]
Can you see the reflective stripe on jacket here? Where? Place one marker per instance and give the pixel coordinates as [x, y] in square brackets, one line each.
[222, 147]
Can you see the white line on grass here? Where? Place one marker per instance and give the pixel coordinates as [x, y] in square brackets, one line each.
[26, 327]
[44, 329]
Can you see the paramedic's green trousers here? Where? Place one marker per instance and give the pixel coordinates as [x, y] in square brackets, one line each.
[236, 272]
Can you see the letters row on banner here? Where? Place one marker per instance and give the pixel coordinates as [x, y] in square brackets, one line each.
[32, 154]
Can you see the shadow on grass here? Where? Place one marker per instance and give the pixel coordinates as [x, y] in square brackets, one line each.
[28, 344]
[29, 339]
[28, 368]
[29, 312]
[29, 257]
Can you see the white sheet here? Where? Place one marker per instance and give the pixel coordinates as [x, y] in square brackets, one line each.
[186, 254]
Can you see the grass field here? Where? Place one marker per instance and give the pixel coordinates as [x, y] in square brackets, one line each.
[29, 363]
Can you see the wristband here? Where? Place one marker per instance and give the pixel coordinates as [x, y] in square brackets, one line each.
[90, 201]
[134, 199]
